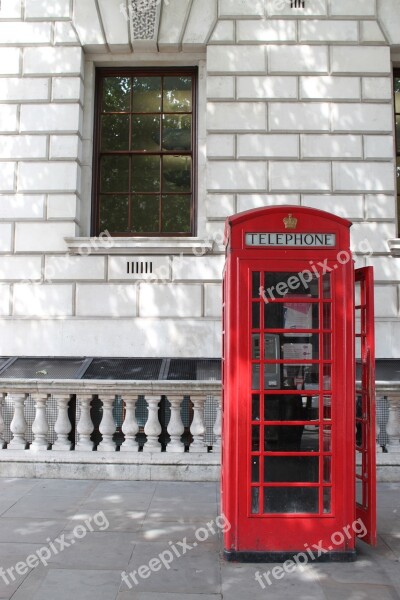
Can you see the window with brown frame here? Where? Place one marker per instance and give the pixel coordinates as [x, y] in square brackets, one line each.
[144, 152]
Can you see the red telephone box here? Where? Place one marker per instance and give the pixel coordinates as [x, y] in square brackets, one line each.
[298, 450]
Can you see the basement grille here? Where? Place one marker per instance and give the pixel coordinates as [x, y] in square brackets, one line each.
[297, 3]
[136, 267]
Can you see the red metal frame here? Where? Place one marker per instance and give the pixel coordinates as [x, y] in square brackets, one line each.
[273, 534]
[365, 394]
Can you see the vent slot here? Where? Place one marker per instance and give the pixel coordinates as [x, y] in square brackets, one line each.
[139, 267]
[297, 3]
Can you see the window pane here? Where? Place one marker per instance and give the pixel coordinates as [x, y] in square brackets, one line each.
[114, 132]
[145, 174]
[280, 284]
[291, 438]
[255, 319]
[398, 133]
[177, 173]
[290, 407]
[146, 94]
[177, 94]
[291, 500]
[116, 94]
[177, 133]
[145, 213]
[114, 213]
[176, 214]
[146, 132]
[255, 472]
[287, 469]
[114, 175]
[255, 500]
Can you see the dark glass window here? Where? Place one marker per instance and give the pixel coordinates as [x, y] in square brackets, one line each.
[397, 119]
[144, 152]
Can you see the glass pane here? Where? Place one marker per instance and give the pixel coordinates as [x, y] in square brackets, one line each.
[255, 441]
[114, 174]
[176, 213]
[326, 312]
[327, 346]
[299, 350]
[284, 407]
[255, 346]
[116, 94]
[255, 377]
[255, 412]
[145, 174]
[291, 315]
[300, 469]
[177, 94]
[255, 500]
[114, 132]
[114, 213]
[327, 500]
[326, 286]
[291, 500]
[146, 132]
[255, 315]
[281, 284]
[327, 408]
[359, 491]
[290, 376]
[255, 469]
[177, 171]
[398, 132]
[145, 213]
[327, 439]
[327, 469]
[146, 94]
[255, 284]
[397, 94]
[291, 438]
[357, 293]
[327, 378]
[177, 133]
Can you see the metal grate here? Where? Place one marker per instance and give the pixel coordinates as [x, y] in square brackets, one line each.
[186, 369]
[29, 413]
[3, 362]
[44, 368]
[124, 368]
[297, 3]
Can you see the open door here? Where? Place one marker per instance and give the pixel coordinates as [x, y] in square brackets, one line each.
[365, 403]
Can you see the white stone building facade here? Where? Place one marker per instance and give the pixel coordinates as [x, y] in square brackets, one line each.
[295, 105]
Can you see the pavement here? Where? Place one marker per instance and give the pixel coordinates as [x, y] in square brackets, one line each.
[82, 540]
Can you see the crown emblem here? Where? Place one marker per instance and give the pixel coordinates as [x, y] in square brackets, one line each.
[290, 222]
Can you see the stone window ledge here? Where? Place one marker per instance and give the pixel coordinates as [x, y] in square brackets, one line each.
[394, 246]
[138, 245]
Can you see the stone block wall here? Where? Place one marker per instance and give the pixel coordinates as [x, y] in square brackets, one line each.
[295, 106]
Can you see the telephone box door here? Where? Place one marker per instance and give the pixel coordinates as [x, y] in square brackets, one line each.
[365, 403]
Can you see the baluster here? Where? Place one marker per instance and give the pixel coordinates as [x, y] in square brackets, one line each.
[40, 426]
[2, 441]
[197, 428]
[382, 417]
[18, 424]
[107, 425]
[62, 425]
[217, 429]
[175, 426]
[130, 426]
[393, 427]
[85, 426]
[152, 428]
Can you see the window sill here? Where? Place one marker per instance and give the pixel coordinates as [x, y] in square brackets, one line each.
[138, 245]
[394, 246]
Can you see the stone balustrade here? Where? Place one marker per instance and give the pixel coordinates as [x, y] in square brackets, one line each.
[135, 429]
[83, 416]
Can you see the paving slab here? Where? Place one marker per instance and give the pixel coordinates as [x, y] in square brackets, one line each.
[146, 519]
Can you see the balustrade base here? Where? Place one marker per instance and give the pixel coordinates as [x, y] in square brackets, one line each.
[135, 466]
